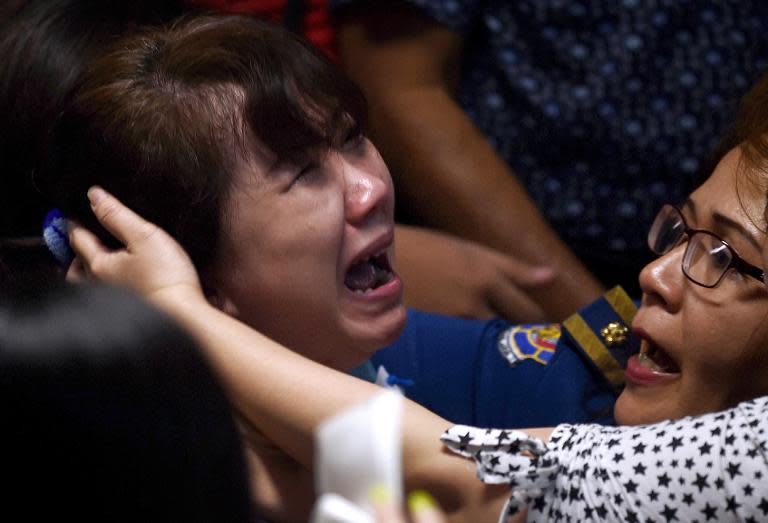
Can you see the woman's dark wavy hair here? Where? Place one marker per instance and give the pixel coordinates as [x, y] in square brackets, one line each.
[111, 413]
[163, 120]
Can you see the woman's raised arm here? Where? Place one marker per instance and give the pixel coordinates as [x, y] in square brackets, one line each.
[281, 393]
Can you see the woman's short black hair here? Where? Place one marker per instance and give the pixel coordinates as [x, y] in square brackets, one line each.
[110, 412]
[163, 120]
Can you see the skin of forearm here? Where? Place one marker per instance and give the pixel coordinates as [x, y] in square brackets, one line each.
[278, 394]
[433, 146]
[286, 396]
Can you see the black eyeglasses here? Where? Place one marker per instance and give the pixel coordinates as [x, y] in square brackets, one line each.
[707, 257]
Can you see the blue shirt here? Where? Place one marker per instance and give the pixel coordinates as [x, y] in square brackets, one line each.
[495, 374]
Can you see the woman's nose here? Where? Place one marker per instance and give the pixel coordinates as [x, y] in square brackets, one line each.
[366, 194]
[663, 278]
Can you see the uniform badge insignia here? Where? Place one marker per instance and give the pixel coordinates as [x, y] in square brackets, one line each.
[529, 342]
[614, 334]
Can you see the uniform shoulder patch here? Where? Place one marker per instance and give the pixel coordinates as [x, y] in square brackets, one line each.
[529, 342]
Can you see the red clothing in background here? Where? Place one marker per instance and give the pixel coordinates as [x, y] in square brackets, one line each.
[317, 23]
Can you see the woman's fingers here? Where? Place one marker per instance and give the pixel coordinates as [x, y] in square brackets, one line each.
[525, 275]
[423, 508]
[76, 272]
[152, 262]
[86, 245]
[384, 507]
[119, 220]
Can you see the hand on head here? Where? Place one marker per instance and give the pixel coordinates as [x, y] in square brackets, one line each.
[152, 263]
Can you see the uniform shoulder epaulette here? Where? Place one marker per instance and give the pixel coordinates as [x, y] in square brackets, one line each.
[601, 331]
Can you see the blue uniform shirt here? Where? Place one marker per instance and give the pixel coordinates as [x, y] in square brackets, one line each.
[495, 374]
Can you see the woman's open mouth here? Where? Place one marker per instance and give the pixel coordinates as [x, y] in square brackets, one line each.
[652, 366]
[654, 358]
[370, 273]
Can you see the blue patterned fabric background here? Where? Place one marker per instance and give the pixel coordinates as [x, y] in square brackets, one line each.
[605, 109]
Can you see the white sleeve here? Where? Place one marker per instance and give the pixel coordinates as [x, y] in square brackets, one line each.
[706, 468]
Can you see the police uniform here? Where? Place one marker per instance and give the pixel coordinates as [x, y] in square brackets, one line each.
[496, 374]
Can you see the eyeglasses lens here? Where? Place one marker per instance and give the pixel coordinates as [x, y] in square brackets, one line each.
[706, 256]
[666, 231]
[706, 259]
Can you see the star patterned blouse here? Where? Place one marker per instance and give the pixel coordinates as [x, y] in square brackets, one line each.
[706, 468]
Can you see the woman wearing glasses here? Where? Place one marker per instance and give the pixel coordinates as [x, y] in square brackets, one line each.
[704, 330]
[703, 304]
[703, 325]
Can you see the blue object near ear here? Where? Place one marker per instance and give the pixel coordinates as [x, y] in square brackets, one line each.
[56, 239]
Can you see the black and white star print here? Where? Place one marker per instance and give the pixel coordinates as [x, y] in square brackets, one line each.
[649, 473]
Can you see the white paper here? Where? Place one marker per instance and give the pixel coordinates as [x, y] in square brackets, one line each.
[331, 508]
[360, 448]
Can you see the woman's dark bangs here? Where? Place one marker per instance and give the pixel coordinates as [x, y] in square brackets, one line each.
[304, 105]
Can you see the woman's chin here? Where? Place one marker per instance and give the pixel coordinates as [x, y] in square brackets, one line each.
[631, 410]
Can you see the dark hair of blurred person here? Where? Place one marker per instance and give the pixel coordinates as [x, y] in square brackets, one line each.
[111, 413]
[26, 267]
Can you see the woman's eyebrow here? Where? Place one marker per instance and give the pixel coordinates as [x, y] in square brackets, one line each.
[690, 205]
[725, 222]
[735, 226]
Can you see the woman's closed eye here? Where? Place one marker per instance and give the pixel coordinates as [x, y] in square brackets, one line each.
[354, 140]
[303, 172]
